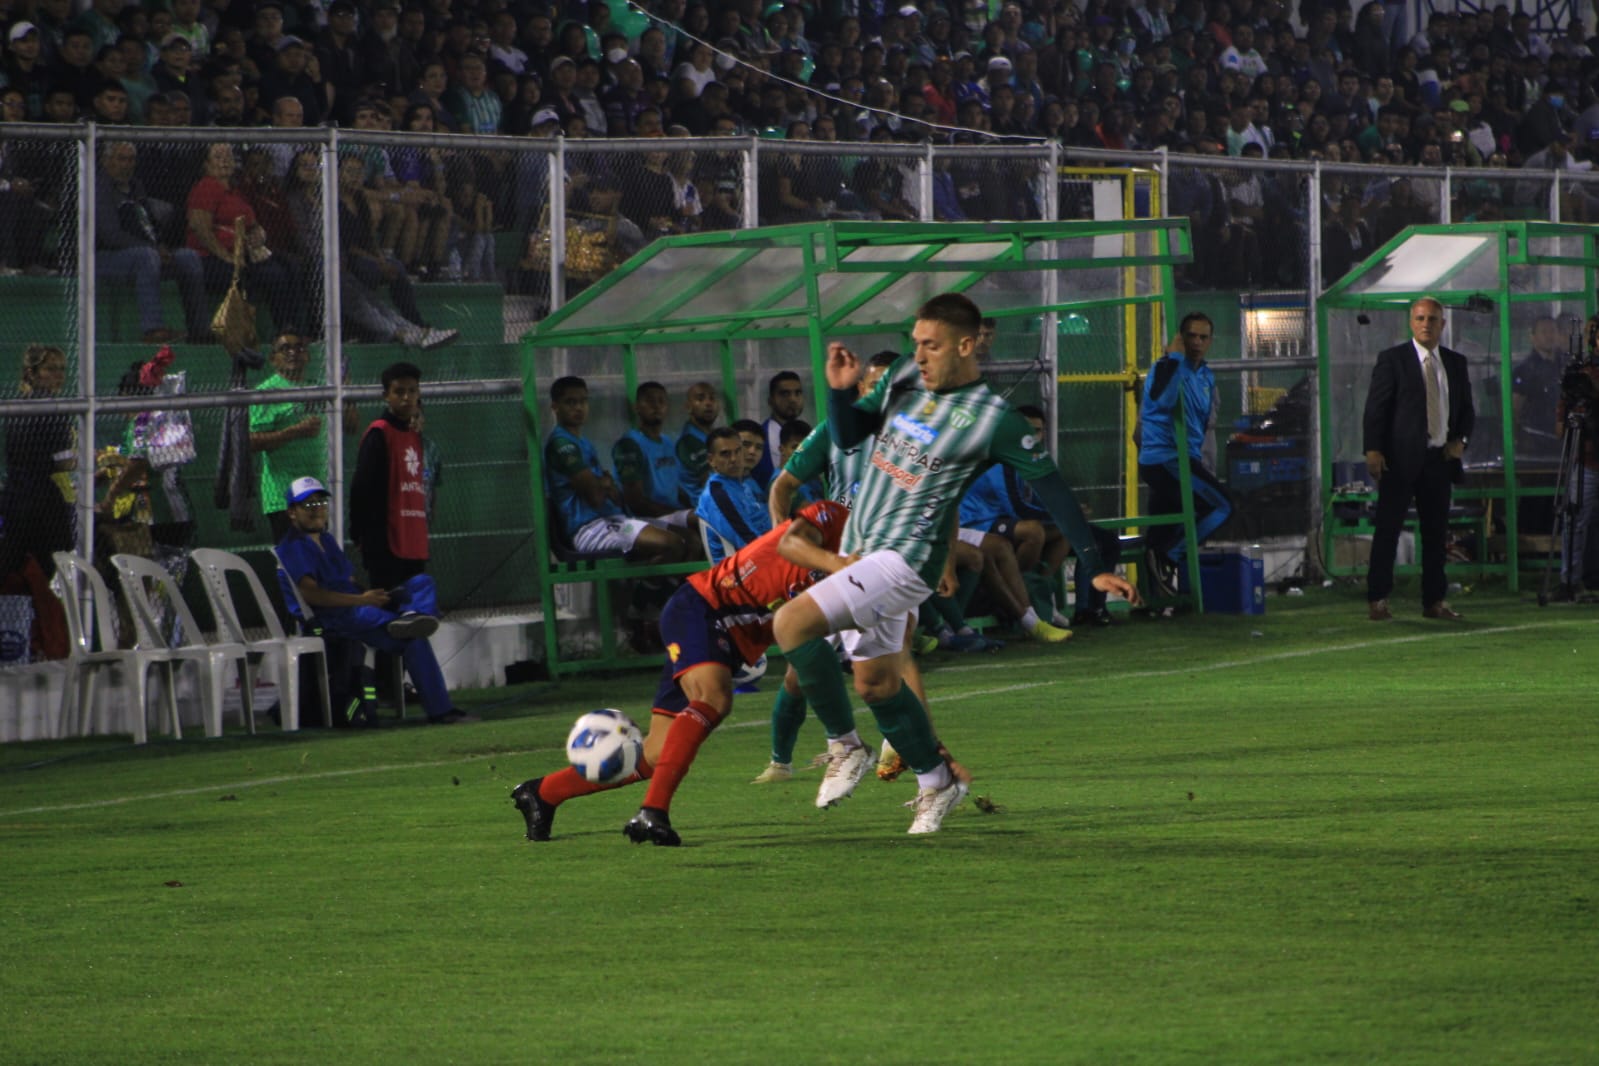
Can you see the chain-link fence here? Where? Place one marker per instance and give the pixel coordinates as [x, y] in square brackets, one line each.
[359, 250]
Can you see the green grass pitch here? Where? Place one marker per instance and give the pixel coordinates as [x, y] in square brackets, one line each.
[1300, 837]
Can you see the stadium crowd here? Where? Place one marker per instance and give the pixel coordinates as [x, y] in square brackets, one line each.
[1216, 77]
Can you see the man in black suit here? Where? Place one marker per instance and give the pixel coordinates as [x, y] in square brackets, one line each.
[1418, 416]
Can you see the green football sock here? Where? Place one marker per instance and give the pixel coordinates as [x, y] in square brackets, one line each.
[788, 715]
[816, 663]
[969, 580]
[903, 720]
[1040, 593]
[947, 612]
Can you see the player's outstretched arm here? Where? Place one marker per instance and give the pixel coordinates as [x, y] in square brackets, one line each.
[1061, 503]
[780, 497]
[801, 544]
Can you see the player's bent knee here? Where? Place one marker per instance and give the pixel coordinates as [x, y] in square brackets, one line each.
[798, 621]
[879, 679]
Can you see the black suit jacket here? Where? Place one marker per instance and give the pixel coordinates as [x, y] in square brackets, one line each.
[1396, 407]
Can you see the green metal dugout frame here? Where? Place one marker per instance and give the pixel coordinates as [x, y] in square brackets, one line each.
[1486, 275]
[821, 281]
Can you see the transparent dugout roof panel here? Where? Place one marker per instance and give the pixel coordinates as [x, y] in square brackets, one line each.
[1433, 262]
[744, 283]
[1515, 259]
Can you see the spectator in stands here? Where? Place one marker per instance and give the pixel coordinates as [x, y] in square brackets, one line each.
[41, 453]
[297, 73]
[24, 69]
[396, 620]
[878, 182]
[267, 31]
[585, 92]
[503, 51]
[560, 88]
[432, 83]
[586, 503]
[25, 204]
[1546, 121]
[220, 219]
[476, 107]
[727, 506]
[1181, 376]
[373, 268]
[389, 49]
[419, 178]
[72, 69]
[228, 106]
[647, 195]
[1345, 241]
[130, 251]
[647, 469]
[471, 239]
[186, 21]
[517, 118]
[290, 436]
[175, 74]
[340, 58]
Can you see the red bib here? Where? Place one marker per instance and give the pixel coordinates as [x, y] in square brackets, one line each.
[407, 518]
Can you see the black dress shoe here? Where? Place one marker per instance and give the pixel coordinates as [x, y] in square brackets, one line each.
[539, 815]
[1084, 619]
[653, 825]
[1379, 611]
[1442, 611]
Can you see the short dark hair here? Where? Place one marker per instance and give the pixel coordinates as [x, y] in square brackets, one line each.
[721, 433]
[777, 379]
[989, 323]
[395, 371]
[953, 310]
[1195, 316]
[1031, 410]
[565, 385]
[747, 425]
[793, 432]
[647, 386]
[885, 358]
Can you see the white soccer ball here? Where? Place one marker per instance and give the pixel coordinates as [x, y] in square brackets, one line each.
[749, 674]
[604, 746]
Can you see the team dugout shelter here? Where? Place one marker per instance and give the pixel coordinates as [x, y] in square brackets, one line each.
[1504, 286]
[1082, 308]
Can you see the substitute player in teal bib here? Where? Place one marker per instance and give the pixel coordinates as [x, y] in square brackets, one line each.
[937, 426]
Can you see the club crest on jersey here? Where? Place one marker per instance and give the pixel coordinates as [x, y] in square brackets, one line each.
[674, 650]
[961, 419]
[929, 408]
[919, 432]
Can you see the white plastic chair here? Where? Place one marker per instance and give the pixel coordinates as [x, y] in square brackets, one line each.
[307, 615]
[283, 650]
[77, 695]
[706, 533]
[138, 576]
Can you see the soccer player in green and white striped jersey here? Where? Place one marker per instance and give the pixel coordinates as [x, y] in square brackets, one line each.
[816, 457]
[937, 426]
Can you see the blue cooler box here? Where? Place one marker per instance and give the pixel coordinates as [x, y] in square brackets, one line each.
[1233, 578]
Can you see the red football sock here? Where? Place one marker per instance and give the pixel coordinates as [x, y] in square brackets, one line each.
[683, 740]
[567, 784]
